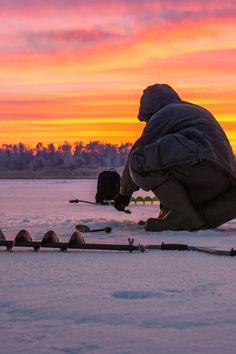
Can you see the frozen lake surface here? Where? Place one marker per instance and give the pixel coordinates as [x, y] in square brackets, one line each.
[109, 302]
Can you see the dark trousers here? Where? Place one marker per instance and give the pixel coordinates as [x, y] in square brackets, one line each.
[201, 182]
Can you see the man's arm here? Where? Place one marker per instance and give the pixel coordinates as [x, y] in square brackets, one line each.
[154, 129]
[127, 186]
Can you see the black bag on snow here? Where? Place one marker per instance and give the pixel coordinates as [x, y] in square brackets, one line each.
[108, 185]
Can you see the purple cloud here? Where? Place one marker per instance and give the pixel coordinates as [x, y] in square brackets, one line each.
[75, 36]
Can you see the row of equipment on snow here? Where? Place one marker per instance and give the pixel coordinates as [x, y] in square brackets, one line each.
[50, 240]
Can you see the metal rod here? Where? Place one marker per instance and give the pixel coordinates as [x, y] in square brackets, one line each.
[130, 247]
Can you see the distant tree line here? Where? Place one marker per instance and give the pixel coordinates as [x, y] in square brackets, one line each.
[66, 156]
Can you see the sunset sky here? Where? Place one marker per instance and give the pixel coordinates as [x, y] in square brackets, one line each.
[75, 69]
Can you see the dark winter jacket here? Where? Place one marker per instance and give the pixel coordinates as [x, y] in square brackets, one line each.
[177, 132]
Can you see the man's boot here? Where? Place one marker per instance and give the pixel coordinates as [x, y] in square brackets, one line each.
[181, 215]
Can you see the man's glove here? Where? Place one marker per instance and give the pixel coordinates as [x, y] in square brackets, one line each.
[121, 201]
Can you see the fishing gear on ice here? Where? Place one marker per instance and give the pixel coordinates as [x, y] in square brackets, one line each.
[108, 185]
[105, 202]
[50, 240]
[85, 228]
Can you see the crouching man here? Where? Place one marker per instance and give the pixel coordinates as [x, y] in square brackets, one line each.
[184, 157]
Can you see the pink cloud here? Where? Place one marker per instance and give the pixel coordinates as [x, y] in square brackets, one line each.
[113, 11]
[53, 40]
[69, 25]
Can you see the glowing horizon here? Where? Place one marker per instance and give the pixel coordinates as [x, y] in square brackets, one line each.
[74, 70]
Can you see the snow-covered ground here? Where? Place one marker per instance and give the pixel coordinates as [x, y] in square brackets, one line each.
[109, 302]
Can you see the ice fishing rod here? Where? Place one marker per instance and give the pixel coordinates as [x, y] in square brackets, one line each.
[85, 228]
[50, 240]
[105, 202]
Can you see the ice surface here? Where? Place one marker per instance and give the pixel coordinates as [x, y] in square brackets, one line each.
[109, 302]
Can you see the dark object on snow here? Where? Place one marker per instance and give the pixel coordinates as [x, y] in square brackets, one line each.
[49, 237]
[121, 201]
[2, 236]
[85, 228]
[106, 202]
[108, 185]
[77, 242]
[22, 237]
[76, 239]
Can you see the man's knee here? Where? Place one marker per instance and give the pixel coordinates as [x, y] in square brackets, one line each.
[145, 180]
[136, 163]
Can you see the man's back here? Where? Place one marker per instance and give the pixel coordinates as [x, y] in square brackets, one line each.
[194, 123]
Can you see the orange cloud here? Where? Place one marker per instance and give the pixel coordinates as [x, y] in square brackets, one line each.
[72, 68]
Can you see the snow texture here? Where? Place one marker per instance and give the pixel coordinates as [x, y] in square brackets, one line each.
[80, 302]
